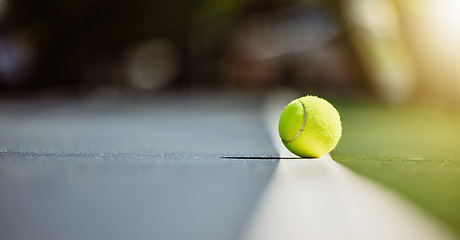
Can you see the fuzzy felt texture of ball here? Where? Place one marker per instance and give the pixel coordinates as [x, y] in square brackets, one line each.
[310, 127]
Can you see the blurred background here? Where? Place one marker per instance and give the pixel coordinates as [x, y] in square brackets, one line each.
[392, 51]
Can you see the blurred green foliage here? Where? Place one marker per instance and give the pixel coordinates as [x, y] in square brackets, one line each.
[218, 11]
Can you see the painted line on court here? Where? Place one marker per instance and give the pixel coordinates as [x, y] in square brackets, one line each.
[321, 199]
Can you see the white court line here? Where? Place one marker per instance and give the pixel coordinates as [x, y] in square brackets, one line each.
[321, 199]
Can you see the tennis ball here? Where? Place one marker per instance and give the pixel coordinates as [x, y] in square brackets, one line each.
[310, 127]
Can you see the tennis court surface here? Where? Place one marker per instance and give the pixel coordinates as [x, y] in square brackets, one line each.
[207, 166]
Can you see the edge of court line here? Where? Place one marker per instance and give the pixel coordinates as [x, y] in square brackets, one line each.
[321, 199]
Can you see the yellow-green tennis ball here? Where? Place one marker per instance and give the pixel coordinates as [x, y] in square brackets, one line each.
[310, 127]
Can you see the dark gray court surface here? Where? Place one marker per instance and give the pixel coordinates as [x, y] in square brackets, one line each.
[190, 167]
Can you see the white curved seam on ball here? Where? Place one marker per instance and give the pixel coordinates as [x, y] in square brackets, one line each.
[303, 123]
